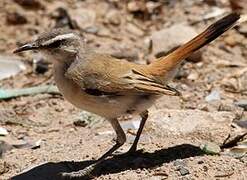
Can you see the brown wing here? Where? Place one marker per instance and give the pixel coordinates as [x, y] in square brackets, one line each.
[146, 83]
[101, 74]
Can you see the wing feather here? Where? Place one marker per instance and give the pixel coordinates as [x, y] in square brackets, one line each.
[114, 76]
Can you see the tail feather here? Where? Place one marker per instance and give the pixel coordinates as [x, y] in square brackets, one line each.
[169, 62]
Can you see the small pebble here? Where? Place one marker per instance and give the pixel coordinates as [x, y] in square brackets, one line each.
[133, 29]
[193, 76]
[35, 144]
[243, 29]
[113, 17]
[134, 6]
[15, 18]
[91, 29]
[242, 104]
[179, 163]
[31, 4]
[211, 148]
[3, 131]
[200, 162]
[104, 133]
[183, 171]
[213, 96]
[40, 67]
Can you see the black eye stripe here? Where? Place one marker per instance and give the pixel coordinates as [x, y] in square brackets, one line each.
[55, 44]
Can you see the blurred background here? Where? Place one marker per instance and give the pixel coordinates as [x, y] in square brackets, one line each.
[38, 126]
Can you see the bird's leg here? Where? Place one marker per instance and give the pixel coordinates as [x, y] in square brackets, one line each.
[121, 138]
[144, 116]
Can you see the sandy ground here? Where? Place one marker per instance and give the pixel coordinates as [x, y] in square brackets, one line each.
[170, 145]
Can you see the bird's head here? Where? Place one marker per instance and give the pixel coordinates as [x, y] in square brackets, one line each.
[57, 44]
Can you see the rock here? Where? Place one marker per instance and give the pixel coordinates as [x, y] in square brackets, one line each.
[230, 107]
[200, 162]
[104, 133]
[181, 167]
[120, 51]
[182, 73]
[113, 17]
[153, 6]
[213, 96]
[238, 111]
[128, 53]
[3, 131]
[63, 19]
[211, 148]
[133, 29]
[147, 45]
[135, 6]
[179, 162]
[243, 29]
[170, 38]
[35, 144]
[91, 30]
[162, 172]
[10, 66]
[193, 76]
[40, 66]
[81, 123]
[231, 41]
[242, 123]
[239, 150]
[242, 104]
[206, 125]
[183, 171]
[235, 84]
[15, 18]
[214, 13]
[26, 143]
[83, 18]
[19, 144]
[85, 118]
[195, 57]
[30, 4]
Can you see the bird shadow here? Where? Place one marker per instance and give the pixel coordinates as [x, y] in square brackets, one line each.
[115, 164]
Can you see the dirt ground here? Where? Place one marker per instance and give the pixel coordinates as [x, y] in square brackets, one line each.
[177, 127]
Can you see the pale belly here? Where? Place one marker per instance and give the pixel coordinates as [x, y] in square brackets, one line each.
[109, 107]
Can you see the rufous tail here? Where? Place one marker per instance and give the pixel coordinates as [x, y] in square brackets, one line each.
[169, 62]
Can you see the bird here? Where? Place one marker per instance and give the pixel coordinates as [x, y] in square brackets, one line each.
[110, 87]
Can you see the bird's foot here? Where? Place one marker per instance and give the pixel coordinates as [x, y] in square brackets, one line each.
[81, 174]
[132, 150]
[124, 152]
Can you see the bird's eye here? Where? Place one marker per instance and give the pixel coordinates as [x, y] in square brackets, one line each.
[55, 44]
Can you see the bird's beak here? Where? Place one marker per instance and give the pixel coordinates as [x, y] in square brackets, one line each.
[26, 47]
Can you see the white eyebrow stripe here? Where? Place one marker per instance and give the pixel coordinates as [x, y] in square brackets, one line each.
[60, 37]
